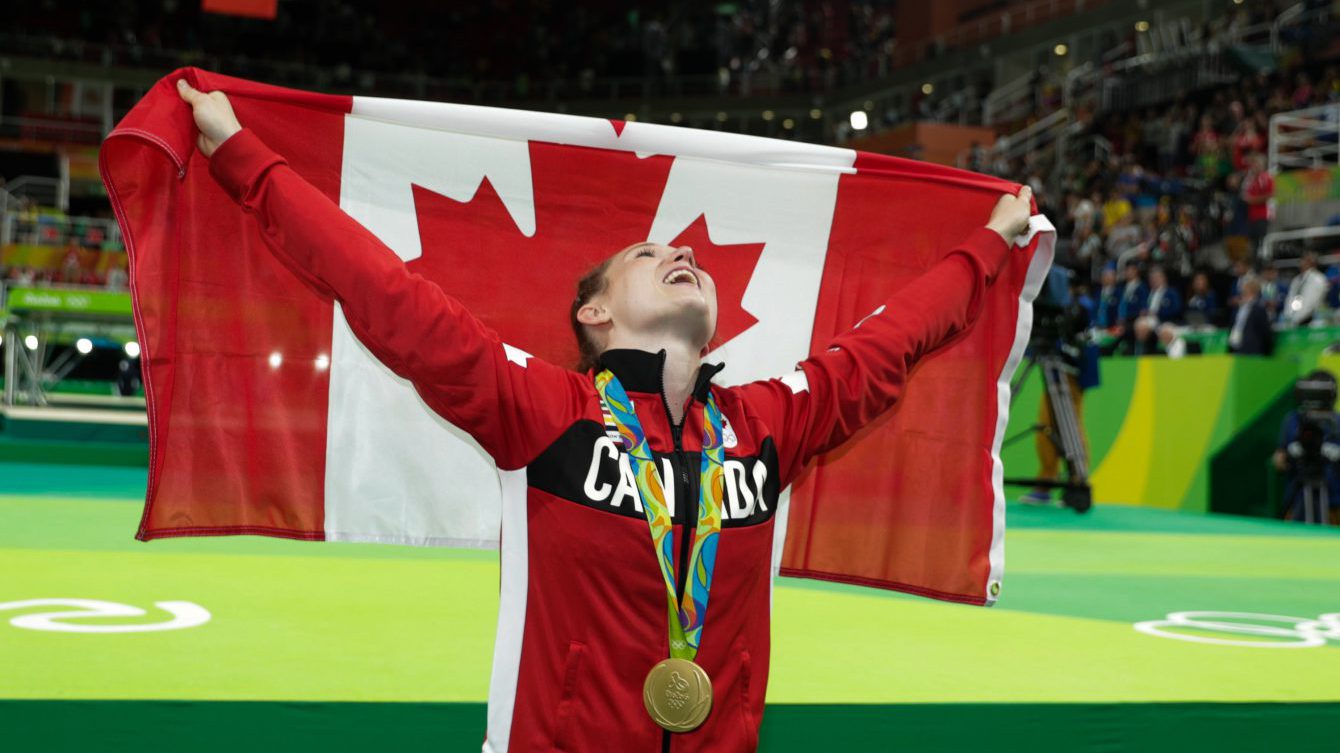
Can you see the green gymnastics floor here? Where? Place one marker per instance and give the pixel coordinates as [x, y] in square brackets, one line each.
[1123, 630]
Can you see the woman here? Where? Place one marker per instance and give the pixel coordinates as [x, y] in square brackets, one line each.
[643, 489]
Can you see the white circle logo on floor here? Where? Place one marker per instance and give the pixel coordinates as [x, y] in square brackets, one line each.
[185, 614]
[1247, 629]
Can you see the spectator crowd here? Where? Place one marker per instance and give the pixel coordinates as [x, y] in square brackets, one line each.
[1164, 231]
[786, 46]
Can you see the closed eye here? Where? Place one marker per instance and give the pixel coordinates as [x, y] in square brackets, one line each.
[646, 252]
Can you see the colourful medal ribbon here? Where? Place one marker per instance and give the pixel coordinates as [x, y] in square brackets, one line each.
[686, 617]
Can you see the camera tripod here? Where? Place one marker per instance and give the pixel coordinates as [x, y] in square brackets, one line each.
[1316, 501]
[1066, 437]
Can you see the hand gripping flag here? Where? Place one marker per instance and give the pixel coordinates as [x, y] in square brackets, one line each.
[268, 416]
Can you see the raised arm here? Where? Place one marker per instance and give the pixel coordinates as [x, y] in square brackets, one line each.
[513, 405]
[864, 371]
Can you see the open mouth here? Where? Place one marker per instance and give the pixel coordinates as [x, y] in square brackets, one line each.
[681, 276]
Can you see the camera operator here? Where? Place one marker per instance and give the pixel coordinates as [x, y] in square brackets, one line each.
[1309, 449]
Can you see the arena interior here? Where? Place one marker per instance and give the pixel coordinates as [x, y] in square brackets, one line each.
[1173, 577]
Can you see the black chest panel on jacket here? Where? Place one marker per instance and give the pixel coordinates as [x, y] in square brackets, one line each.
[586, 466]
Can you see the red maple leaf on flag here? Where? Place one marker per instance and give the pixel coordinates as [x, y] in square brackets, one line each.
[732, 267]
[589, 203]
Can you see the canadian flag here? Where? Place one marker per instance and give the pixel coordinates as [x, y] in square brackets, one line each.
[268, 416]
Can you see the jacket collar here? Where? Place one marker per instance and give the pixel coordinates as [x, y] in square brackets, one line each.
[642, 371]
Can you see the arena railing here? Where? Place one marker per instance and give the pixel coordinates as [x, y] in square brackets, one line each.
[1272, 243]
[52, 192]
[41, 229]
[1305, 138]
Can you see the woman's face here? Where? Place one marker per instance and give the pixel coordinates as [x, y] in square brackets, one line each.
[656, 289]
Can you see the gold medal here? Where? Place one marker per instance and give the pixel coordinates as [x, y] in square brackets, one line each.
[678, 695]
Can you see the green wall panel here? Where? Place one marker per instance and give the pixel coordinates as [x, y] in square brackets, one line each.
[1154, 424]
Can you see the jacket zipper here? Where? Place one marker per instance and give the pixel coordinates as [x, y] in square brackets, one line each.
[683, 492]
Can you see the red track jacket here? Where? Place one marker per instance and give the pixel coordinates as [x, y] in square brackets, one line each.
[582, 616]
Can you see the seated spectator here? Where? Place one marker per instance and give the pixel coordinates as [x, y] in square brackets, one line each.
[1163, 303]
[1174, 345]
[1172, 129]
[1202, 306]
[1273, 292]
[1115, 209]
[1149, 239]
[1084, 299]
[72, 265]
[1142, 340]
[1246, 142]
[1241, 271]
[1251, 334]
[92, 237]
[1083, 212]
[977, 157]
[1109, 300]
[1302, 93]
[1087, 249]
[1124, 237]
[1205, 145]
[1134, 295]
[1307, 291]
[1333, 287]
[1177, 244]
[117, 278]
[1135, 186]
[22, 276]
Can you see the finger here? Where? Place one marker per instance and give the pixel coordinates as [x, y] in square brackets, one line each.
[188, 92]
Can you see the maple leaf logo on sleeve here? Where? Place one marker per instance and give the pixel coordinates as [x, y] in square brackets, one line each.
[589, 203]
